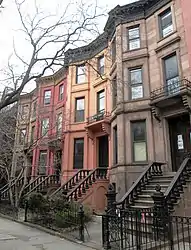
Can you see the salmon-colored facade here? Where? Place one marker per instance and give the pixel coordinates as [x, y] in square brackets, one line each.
[92, 126]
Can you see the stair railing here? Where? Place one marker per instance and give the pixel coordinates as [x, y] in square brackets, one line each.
[175, 188]
[154, 169]
[33, 183]
[46, 182]
[96, 174]
[80, 174]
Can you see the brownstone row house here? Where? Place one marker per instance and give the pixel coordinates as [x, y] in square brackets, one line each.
[128, 94]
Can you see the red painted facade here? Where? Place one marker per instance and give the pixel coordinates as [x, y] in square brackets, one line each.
[50, 111]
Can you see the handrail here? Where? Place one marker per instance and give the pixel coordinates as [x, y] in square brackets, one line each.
[6, 185]
[71, 179]
[177, 182]
[153, 169]
[33, 182]
[92, 176]
[36, 187]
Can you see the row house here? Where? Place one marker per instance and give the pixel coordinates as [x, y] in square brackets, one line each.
[127, 101]
[39, 131]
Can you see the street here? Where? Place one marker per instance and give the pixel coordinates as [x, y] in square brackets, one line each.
[15, 236]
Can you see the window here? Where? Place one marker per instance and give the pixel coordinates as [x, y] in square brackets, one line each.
[166, 26]
[78, 153]
[59, 123]
[45, 127]
[80, 74]
[134, 38]
[61, 92]
[79, 112]
[113, 50]
[115, 146]
[114, 92]
[101, 101]
[32, 134]
[136, 83]
[25, 109]
[171, 75]
[47, 97]
[139, 141]
[42, 162]
[101, 65]
[34, 109]
[22, 136]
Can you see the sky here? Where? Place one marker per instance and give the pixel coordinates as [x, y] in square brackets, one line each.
[10, 25]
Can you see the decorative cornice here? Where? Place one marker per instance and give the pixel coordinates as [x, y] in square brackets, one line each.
[61, 73]
[132, 12]
[87, 52]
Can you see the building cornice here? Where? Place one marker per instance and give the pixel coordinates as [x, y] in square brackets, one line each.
[132, 12]
[87, 52]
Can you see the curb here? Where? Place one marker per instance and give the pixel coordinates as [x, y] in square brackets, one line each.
[52, 232]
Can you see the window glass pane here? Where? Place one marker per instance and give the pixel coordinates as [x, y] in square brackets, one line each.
[59, 122]
[173, 85]
[166, 23]
[137, 92]
[101, 100]
[133, 33]
[81, 70]
[140, 153]
[136, 76]
[134, 44]
[78, 153]
[171, 67]
[139, 131]
[80, 104]
[81, 79]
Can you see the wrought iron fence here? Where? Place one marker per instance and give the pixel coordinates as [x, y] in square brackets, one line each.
[142, 229]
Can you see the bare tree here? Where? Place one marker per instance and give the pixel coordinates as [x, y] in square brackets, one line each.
[48, 39]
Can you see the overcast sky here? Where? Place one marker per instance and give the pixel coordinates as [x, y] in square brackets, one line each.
[9, 22]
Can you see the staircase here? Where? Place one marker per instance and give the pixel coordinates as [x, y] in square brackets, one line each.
[144, 199]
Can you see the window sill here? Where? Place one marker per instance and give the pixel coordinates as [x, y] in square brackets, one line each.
[166, 37]
[76, 123]
[167, 43]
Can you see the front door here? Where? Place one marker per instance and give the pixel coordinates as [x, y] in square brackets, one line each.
[180, 139]
[103, 153]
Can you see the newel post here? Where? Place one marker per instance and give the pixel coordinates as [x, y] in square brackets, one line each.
[111, 197]
[160, 213]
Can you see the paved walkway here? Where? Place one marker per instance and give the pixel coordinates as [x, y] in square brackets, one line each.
[15, 236]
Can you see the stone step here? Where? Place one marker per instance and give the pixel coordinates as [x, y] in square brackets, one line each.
[153, 186]
[144, 203]
[145, 197]
[151, 191]
[141, 206]
[160, 181]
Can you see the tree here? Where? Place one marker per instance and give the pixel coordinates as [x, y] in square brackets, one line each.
[48, 38]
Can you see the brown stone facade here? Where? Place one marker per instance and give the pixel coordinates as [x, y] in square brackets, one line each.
[150, 58]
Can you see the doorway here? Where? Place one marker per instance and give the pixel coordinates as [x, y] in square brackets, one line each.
[103, 152]
[180, 139]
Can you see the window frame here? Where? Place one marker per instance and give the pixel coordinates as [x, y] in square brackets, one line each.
[101, 68]
[78, 75]
[75, 157]
[59, 128]
[177, 77]
[45, 134]
[131, 85]
[161, 29]
[132, 123]
[44, 167]
[44, 100]
[115, 146]
[114, 92]
[32, 134]
[113, 50]
[98, 101]
[82, 111]
[61, 93]
[34, 109]
[133, 39]
[22, 136]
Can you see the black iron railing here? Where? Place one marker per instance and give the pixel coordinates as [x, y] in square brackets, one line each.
[86, 183]
[155, 169]
[174, 88]
[98, 117]
[180, 179]
[72, 182]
